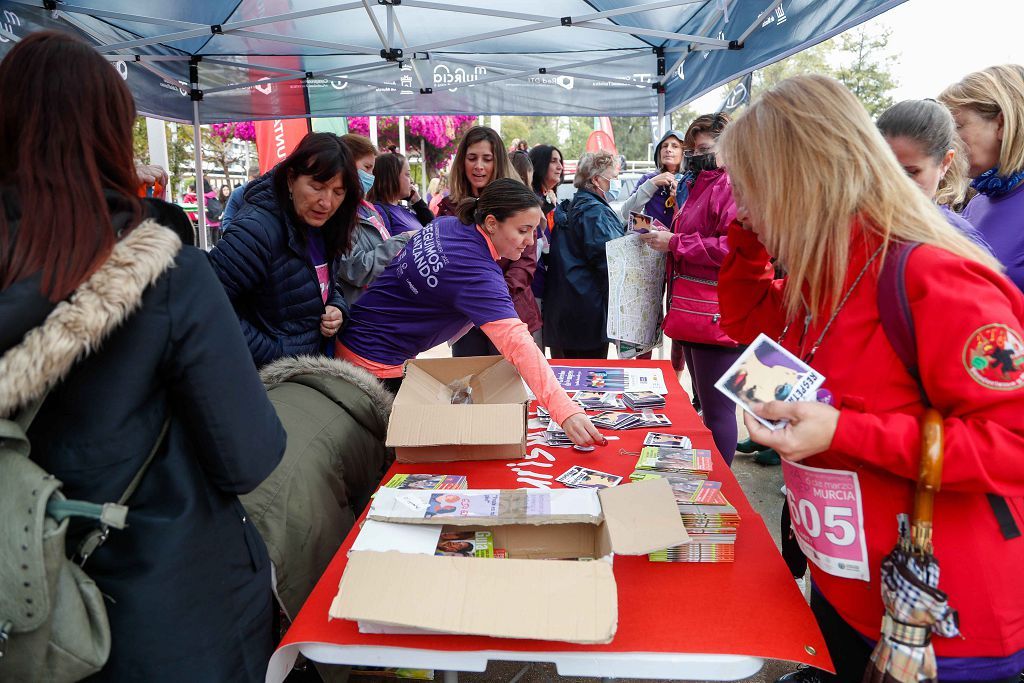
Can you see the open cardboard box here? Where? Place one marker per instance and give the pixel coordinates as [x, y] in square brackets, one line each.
[426, 427]
[540, 591]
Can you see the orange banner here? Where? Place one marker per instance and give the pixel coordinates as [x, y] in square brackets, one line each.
[277, 138]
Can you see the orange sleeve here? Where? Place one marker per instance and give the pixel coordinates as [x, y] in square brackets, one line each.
[512, 338]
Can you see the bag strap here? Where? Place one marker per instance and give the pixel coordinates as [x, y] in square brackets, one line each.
[116, 514]
[894, 309]
[386, 216]
[898, 324]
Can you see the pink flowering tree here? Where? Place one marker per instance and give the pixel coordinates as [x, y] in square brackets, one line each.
[218, 144]
[244, 130]
[435, 137]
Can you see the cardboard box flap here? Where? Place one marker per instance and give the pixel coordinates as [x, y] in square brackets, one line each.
[548, 600]
[446, 424]
[490, 507]
[500, 383]
[445, 370]
[421, 387]
[642, 517]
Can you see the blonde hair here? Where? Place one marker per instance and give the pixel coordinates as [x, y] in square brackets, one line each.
[837, 167]
[991, 92]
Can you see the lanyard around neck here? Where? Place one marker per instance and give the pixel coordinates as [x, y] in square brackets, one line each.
[835, 314]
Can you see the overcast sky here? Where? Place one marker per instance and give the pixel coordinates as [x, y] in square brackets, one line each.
[940, 41]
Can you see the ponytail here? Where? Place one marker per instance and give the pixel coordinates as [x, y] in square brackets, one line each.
[501, 199]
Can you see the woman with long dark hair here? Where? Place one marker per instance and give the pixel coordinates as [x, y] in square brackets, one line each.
[548, 174]
[122, 332]
[277, 258]
[480, 159]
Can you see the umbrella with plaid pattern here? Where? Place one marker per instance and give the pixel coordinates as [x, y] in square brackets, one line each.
[915, 608]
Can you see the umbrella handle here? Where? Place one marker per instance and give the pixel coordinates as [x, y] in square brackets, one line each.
[929, 478]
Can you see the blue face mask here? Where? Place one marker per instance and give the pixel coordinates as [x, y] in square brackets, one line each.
[614, 189]
[366, 179]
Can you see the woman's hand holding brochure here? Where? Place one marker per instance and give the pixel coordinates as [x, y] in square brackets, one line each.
[808, 430]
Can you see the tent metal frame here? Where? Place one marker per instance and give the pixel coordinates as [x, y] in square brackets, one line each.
[390, 52]
[395, 49]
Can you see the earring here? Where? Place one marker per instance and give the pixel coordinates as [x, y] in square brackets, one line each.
[289, 195]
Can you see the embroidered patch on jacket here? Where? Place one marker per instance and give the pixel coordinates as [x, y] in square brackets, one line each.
[994, 357]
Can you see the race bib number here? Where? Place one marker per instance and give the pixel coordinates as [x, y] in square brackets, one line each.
[828, 519]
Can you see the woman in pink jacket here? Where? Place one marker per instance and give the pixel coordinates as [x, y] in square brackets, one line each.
[697, 246]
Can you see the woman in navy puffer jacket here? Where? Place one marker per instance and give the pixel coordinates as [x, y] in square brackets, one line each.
[277, 258]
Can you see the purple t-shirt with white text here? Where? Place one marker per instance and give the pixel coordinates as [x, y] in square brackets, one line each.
[398, 218]
[1001, 222]
[443, 280]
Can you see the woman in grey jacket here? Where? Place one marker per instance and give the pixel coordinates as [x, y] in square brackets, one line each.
[373, 246]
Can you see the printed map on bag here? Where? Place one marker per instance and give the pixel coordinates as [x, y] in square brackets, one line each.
[767, 372]
[636, 288]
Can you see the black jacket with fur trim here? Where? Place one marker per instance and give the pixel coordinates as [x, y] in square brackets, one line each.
[189, 578]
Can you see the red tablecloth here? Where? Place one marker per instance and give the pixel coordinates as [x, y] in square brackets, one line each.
[750, 607]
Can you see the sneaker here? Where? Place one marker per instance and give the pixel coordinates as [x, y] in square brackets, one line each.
[803, 674]
[749, 446]
[768, 458]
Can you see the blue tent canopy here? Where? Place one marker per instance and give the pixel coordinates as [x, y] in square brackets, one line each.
[230, 60]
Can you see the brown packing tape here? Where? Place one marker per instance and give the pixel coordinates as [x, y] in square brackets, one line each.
[512, 504]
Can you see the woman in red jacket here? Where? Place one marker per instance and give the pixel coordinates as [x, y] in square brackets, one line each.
[830, 214]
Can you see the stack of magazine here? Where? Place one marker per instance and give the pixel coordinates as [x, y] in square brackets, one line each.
[638, 400]
[708, 517]
[692, 461]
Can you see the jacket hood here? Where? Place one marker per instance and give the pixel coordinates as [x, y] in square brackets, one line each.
[260, 192]
[299, 368]
[78, 325]
[657, 148]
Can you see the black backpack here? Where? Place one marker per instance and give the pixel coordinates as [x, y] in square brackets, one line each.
[214, 209]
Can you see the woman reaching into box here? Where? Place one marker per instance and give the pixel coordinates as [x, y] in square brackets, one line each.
[448, 279]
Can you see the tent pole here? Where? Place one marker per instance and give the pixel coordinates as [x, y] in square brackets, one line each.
[157, 139]
[401, 135]
[204, 237]
[373, 132]
[662, 119]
